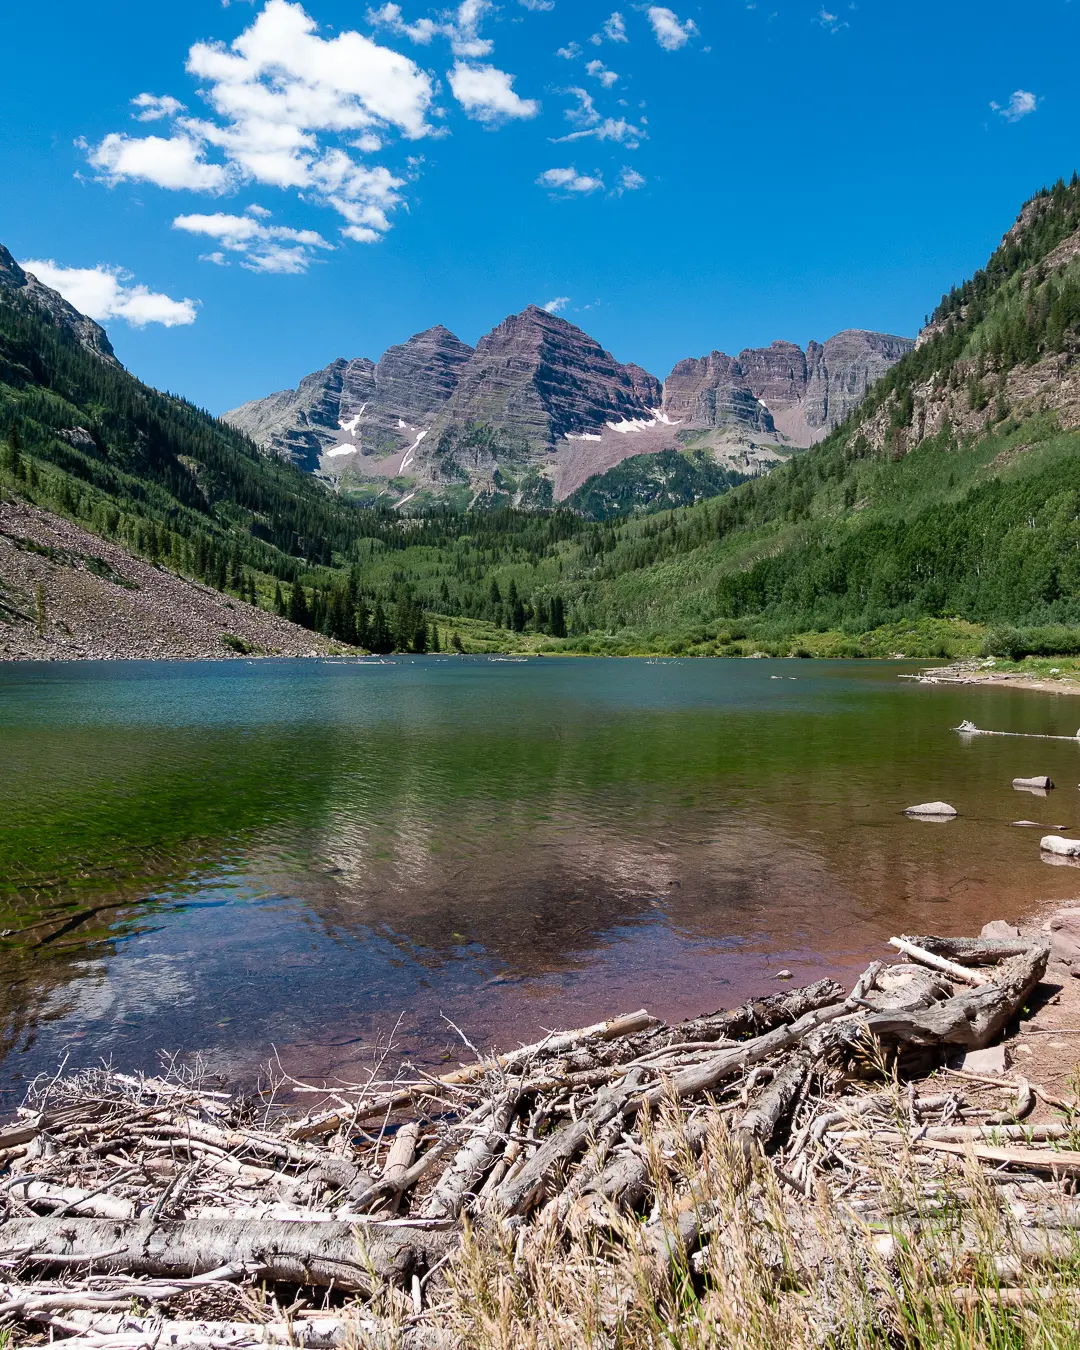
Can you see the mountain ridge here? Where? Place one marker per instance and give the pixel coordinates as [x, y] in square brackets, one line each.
[539, 407]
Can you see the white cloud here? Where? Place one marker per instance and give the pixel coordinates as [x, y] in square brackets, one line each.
[585, 114]
[614, 129]
[153, 107]
[614, 30]
[569, 180]
[670, 32]
[560, 302]
[1019, 105]
[266, 248]
[461, 26]
[600, 72]
[389, 16]
[283, 96]
[832, 22]
[175, 162]
[105, 292]
[487, 94]
[535, 5]
[630, 180]
[570, 52]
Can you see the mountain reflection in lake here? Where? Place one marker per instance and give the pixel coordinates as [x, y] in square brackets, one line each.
[236, 857]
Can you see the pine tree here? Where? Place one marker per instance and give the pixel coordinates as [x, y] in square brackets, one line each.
[279, 600]
[455, 642]
[558, 617]
[434, 644]
[298, 609]
[381, 639]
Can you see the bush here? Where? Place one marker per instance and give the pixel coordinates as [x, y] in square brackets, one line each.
[1016, 643]
[237, 644]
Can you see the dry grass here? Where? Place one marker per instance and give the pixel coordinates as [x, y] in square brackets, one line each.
[919, 1263]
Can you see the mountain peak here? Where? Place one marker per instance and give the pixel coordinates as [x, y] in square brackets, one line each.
[85, 331]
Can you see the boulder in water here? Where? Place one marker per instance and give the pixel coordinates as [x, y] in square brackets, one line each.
[932, 811]
[1056, 843]
[1042, 783]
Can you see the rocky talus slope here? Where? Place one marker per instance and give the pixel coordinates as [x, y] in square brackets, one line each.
[539, 407]
[66, 594]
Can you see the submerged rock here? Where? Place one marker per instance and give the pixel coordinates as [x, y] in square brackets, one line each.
[1042, 784]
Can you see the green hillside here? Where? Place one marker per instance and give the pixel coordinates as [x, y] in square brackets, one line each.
[946, 506]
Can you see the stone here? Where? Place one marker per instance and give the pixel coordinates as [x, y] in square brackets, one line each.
[840, 371]
[1055, 843]
[374, 409]
[1064, 926]
[932, 810]
[999, 928]
[784, 975]
[1042, 784]
[988, 1061]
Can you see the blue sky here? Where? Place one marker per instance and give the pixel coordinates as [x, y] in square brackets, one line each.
[251, 189]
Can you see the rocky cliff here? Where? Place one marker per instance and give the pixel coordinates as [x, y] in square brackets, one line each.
[537, 378]
[26, 286]
[799, 396]
[358, 406]
[539, 407]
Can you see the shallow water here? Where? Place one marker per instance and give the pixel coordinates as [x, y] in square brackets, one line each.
[248, 859]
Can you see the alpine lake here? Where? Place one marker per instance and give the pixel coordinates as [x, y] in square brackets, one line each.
[298, 860]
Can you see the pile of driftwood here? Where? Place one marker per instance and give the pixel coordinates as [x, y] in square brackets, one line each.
[154, 1210]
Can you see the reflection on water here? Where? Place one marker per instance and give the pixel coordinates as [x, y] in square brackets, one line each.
[235, 857]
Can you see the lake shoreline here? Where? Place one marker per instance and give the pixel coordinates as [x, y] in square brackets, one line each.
[407, 1208]
[976, 673]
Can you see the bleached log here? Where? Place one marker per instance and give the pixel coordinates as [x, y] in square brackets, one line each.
[123, 1331]
[724, 1064]
[341, 1254]
[74, 1198]
[625, 1181]
[973, 1018]
[471, 1164]
[936, 962]
[519, 1190]
[401, 1155]
[759, 1124]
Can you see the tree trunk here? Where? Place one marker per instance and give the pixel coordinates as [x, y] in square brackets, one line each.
[349, 1257]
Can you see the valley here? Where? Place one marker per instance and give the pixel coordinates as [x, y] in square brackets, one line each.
[552, 499]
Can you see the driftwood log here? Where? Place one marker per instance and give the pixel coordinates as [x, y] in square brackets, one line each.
[975, 1017]
[301, 1253]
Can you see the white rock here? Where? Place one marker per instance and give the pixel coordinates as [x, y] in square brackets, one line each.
[784, 975]
[942, 810]
[1055, 843]
[990, 1060]
[999, 928]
